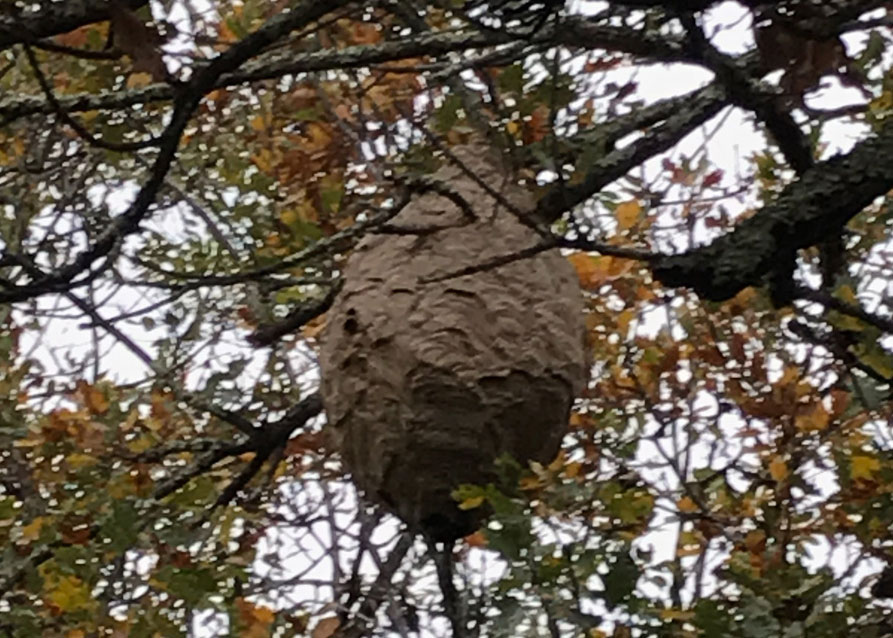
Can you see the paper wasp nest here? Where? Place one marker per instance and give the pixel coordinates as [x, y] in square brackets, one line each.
[426, 383]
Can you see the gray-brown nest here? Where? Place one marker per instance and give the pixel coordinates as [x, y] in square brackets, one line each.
[426, 383]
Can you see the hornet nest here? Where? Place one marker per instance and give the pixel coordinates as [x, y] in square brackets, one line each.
[428, 378]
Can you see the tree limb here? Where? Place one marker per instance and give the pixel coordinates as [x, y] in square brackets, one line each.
[816, 206]
[53, 18]
[187, 101]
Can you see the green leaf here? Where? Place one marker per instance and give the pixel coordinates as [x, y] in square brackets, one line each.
[621, 579]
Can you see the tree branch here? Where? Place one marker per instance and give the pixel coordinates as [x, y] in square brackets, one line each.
[53, 18]
[816, 206]
[702, 105]
[185, 104]
[268, 334]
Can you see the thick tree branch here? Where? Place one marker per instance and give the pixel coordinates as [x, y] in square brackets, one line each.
[575, 32]
[839, 9]
[702, 105]
[262, 441]
[744, 91]
[816, 206]
[53, 18]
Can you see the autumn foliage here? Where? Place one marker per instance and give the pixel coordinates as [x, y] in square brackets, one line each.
[182, 185]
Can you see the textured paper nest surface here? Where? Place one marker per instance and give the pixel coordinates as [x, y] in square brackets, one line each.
[425, 384]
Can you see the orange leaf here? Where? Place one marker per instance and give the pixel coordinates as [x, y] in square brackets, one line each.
[755, 541]
[687, 505]
[326, 627]
[258, 123]
[814, 418]
[478, 539]
[778, 468]
[366, 33]
[627, 214]
[74, 39]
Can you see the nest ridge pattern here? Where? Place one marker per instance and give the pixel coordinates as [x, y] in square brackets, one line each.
[426, 383]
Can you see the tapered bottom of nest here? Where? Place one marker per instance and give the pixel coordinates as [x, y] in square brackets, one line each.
[445, 528]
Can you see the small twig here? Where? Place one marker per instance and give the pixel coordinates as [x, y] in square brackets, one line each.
[86, 54]
[268, 334]
[356, 626]
[833, 303]
[452, 606]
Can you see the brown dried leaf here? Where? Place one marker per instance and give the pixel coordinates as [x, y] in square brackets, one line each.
[326, 627]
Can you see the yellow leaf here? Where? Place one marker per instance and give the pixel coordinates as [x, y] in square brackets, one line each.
[626, 317]
[847, 294]
[627, 214]
[743, 299]
[513, 127]
[687, 505]
[95, 400]
[879, 361]
[588, 269]
[528, 483]
[471, 503]
[264, 615]
[31, 531]
[846, 322]
[263, 159]
[255, 619]
[75, 633]
[319, 136]
[312, 328]
[77, 460]
[677, 614]
[645, 294]
[289, 216]
[258, 123]
[863, 467]
[790, 376]
[814, 419]
[778, 468]
[70, 593]
[617, 266]
[572, 470]
[140, 444]
[558, 463]
[594, 271]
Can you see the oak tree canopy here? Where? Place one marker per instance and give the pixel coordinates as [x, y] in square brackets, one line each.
[192, 194]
